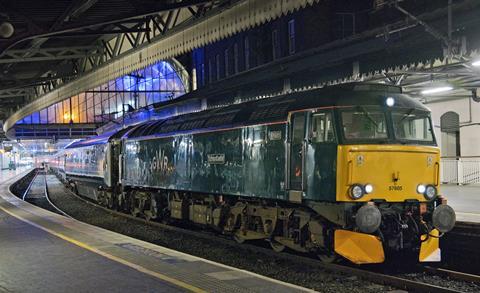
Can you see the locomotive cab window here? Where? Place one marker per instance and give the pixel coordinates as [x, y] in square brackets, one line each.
[298, 128]
[364, 123]
[322, 128]
[411, 126]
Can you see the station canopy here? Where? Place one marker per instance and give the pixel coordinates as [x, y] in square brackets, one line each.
[140, 89]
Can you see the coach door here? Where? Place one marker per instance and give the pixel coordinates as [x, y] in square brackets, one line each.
[297, 156]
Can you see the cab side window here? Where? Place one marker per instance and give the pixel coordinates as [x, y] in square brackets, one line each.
[322, 128]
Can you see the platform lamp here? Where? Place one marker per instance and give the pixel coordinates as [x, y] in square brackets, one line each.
[6, 28]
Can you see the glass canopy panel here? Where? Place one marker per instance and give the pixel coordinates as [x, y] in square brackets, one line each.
[157, 83]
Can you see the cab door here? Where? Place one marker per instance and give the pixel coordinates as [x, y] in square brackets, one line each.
[320, 157]
[296, 156]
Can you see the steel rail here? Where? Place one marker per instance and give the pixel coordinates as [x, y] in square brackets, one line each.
[50, 202]
[455, 275]
[29, 185]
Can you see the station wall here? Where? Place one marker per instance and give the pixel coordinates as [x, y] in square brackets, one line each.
[469, 124]
[291, 34]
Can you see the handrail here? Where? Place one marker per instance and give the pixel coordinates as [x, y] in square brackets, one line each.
[460, 157]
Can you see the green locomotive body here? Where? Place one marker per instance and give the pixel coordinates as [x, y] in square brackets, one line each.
[286, 169]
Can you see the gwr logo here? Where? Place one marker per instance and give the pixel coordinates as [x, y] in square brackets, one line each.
[159, 162]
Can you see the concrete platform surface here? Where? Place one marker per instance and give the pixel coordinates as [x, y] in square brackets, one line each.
[44, 252]
[465, 200]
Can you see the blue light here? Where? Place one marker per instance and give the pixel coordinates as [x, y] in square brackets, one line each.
[160, 81]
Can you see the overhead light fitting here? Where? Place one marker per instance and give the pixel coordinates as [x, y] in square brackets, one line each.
[437, 90]
[390, 101]
[476, 63]
[6, 30]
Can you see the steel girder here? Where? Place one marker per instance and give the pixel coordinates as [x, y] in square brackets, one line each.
[48, 54]
[14, 93]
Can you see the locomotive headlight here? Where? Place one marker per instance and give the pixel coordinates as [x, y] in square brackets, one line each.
[430, 192]
[356, 191]
[421, 188]
[368, 188]
[390, 101]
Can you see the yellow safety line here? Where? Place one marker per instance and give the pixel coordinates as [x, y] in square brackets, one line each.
[138, 267]
[109, 256]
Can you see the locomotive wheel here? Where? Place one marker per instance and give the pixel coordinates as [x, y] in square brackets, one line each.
[132, 205]
[110, 201]
[328, 257]
[133, 211]
[120, 202]
[238, 239]
[152, 212]
[74, 188]
[277, 246]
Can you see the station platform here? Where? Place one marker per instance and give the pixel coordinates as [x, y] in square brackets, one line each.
[45, 252]
[465, 200]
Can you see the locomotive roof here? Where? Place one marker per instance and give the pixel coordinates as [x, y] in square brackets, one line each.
[100, 139]
[268, 110]
[276, 109]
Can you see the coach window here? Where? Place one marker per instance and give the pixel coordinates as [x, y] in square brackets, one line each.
[227, 62]
[235, 58]
[275, 45]
[291, 36]
[322, 128]
[202, 74]
[246, 49]
[217, 64]
[210, 71]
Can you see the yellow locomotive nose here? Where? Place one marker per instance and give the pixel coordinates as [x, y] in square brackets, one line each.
[389, 172]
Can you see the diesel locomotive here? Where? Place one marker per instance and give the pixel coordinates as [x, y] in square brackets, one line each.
[346, 171]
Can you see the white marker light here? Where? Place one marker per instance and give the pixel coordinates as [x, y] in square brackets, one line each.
[476, 63]
[421, 189]
[368, 188]
[390, 101]
[437, 90]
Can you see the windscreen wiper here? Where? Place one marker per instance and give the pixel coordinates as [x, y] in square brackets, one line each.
[365, 112]
[407, 114]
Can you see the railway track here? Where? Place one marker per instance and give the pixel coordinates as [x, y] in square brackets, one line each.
[453, 274]
[401, 281]
[467, 229]
[461, 248]
[29, 187]
[37, 194]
